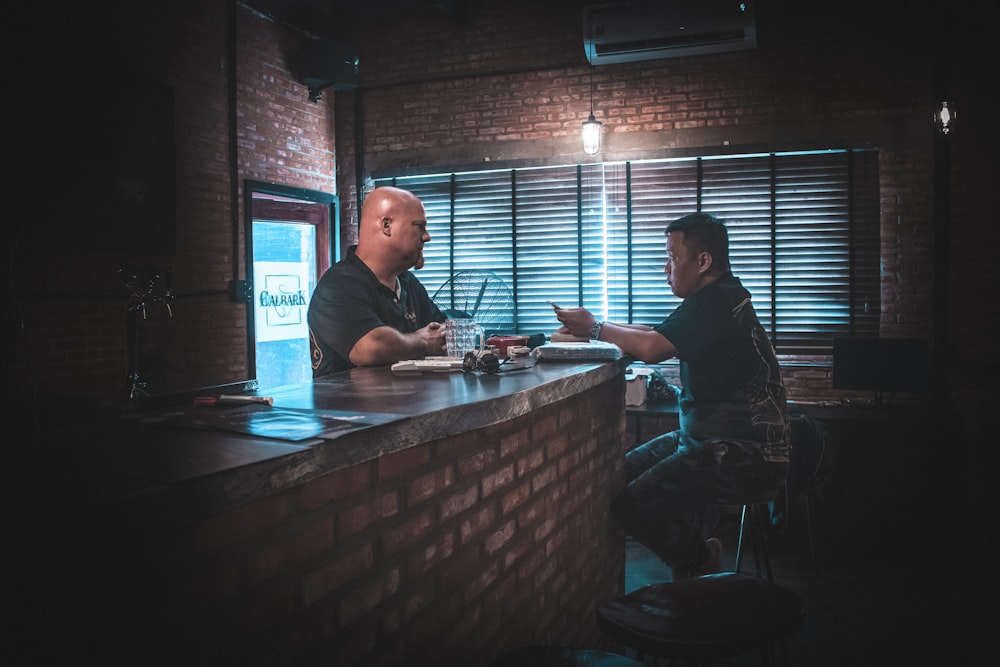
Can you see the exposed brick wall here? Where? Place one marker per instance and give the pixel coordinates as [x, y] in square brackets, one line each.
[805, 381]
[70, 335]
[445, 553]
[363, 563]
[499, 90]
[443, 93]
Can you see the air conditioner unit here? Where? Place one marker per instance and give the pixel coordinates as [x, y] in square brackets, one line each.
[635, 30]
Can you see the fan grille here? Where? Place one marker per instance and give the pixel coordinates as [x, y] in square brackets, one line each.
[482, 295]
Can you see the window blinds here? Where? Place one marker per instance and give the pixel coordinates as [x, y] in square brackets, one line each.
[803, 230]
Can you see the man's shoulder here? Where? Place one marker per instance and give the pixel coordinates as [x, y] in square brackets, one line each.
[346, 269]
[726, 290]
[724, 283]
[342, 279]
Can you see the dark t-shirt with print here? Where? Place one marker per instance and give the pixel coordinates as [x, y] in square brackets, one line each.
[732, 386]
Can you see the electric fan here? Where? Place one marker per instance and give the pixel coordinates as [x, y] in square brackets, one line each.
[482, 295]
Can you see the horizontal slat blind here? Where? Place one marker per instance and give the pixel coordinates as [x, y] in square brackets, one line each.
[560, 245]
[483, 228]
[803, 231]
[738, 190]
[435, 192]
[812, 220]
[660, 192]
[866, 248]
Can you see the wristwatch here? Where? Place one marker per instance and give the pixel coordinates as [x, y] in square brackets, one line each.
[595, 330]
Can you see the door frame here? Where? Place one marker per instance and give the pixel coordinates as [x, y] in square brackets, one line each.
[279, 202]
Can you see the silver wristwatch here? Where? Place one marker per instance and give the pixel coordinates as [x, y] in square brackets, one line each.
[595, 330]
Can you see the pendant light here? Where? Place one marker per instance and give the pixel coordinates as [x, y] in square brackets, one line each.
[944, 118]
[592, 126]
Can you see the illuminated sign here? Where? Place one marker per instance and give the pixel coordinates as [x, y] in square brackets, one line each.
[281, 300]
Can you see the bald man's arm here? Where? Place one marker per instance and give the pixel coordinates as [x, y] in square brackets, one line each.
[385, 345]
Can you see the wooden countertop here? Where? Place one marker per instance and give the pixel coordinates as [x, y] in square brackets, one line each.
[202, 459]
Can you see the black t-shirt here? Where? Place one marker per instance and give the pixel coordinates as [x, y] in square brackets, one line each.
[349, 301]
[732, 386]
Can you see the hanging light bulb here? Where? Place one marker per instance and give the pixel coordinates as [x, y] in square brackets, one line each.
[592, 136]
[592, 126]
[944, 118]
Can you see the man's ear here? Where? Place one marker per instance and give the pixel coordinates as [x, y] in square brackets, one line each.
[386, 226]
[704, 262]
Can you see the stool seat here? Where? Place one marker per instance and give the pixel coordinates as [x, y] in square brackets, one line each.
[557, 656]
[704, 619]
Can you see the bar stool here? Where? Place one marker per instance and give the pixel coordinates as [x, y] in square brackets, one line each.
[756, 510]
[706, 619]
[755, 514]
[809, 462]
[805, 479]
[557, 656]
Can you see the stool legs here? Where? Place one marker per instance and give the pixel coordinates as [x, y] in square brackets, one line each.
[756, 512]
[758, 536]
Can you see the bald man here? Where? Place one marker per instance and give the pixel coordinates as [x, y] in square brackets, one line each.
[369, 309]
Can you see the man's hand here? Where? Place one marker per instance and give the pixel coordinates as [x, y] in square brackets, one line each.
[433, 337]
[575, 321]
[385, 345]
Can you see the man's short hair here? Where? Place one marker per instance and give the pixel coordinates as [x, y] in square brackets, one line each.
[704, 233]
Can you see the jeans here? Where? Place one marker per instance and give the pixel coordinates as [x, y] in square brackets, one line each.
[671, 479]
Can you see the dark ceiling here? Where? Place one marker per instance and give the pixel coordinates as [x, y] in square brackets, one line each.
[320, 18]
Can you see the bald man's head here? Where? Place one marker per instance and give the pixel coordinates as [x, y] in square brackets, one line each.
[392, 231]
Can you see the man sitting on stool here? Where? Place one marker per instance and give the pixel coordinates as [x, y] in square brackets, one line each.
[733, 442]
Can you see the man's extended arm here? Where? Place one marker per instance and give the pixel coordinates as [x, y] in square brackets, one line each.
[638, 340]
[385, 345]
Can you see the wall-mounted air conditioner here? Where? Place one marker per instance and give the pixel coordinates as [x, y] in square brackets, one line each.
[633, 30]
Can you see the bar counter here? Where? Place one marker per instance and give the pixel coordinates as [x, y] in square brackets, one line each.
[183, 455]
[434, 519]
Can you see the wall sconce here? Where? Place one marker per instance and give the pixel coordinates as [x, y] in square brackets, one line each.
[944, 118]
[592, 126]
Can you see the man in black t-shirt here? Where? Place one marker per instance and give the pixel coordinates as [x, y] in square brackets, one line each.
[369, 309]
[733, 442]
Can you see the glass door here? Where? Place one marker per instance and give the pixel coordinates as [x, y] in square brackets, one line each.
[293, 239]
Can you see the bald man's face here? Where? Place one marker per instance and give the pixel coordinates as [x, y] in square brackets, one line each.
[410, 228]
